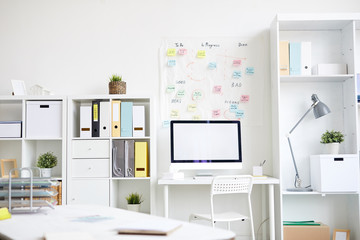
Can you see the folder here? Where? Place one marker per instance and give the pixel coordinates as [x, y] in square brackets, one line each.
[115, 118]
[85, 121]
[126, 119]
[306, 58]
[95, 118]
[138, 121]
[129, 158]
[295, 58]
[141, 159]
[118, 158]
[284, 57]
[104, 119]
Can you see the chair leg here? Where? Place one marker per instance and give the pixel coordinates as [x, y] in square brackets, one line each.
[251, 221]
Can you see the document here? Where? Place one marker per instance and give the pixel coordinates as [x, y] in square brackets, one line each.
[149, 227]
[141, 159]
[95, 118]
[126, 119]
[104, 119]
[284, 57]
[295, 58]
[129, 158]
[138, 121]
[85, 121]
[118, 153]
[306, 58]
[115, 118]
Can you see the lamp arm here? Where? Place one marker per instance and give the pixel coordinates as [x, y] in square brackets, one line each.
[311, 107]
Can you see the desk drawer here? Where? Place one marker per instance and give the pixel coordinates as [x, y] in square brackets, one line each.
[90, 149]
[90, 167]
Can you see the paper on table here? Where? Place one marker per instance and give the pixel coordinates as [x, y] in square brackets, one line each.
[153, 227]
[68, 236]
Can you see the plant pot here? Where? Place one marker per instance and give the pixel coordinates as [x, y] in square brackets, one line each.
[45, 172]
[117, 87]
[133, 207]
[331, 148]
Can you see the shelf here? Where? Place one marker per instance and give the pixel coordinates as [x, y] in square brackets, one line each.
[112, 138]
[130, 178]
[314, 78]
[288, 193]
[11, 139]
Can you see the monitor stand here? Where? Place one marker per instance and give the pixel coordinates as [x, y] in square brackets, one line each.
[203, 175]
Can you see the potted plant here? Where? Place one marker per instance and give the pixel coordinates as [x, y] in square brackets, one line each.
[46, 162]
[117, 85]
[134, 200]
[332, 140]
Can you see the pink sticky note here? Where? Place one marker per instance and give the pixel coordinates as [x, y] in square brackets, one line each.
[237, 62]
[244, 98]
[216, 113]
[217, 89]
[182, 51]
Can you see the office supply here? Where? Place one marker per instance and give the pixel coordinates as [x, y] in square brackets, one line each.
[85, 121]
[43, 119]
[138, 121]
[295, 58]
[308, 232]
[320, 109]
[126, 119]
[257, 171]
[284, 57]
[104, 119]
[141, 159]
[115, 118]
[18, 87]
[140, 227]
[6, 166]
[61, 219]
[4, 213]
[118, 156]
[305, 223]
[269, 182]
[205, 144]
[129, 158]
[305, 58]
[330, 69]
[10, 129]
[341, 234]
[230, 184]
[334, 173]
[95, 118]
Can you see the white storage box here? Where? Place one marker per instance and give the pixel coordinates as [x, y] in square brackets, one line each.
[10, 129]
[334, 173]
[329, 69]
[43, 119]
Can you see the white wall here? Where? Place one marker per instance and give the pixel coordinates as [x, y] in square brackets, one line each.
[72, 47]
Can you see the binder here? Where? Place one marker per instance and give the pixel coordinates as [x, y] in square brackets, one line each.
[295, 58]
[85, 121]
[104, 119]
[95, 118]
[138, 121]
[129, 158]
[141, 159]
[306, 58]
[284, 57]
[115, 118]
[126, 119]
[118, 156]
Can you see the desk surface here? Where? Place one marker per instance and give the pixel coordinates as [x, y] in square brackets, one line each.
[208, 180]
[66, 219]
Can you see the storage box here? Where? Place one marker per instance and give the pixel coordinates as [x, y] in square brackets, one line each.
[334, 173]
[10, 129]
[43, 119]
[329, 69]
[302, 232]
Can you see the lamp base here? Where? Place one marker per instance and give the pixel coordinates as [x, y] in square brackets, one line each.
[300, 189]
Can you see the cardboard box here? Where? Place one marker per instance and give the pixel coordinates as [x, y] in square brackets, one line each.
[10, 129]
[329, 69]
[302, 232]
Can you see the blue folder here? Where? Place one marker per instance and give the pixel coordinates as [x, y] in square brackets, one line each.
[126, 119]
[295, 58]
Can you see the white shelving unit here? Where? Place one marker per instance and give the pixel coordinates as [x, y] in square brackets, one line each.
[98, 185]
[333, 39]
[26, 150]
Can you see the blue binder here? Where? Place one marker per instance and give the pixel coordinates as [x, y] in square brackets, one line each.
[126, 119]
[295, 58]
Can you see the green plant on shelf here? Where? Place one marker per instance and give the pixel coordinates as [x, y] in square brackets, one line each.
[134, 198]
[47, 160]
[332, 137]
[115, 78]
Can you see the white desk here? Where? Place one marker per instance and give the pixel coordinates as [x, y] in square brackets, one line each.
[66, 219]
[270, 182]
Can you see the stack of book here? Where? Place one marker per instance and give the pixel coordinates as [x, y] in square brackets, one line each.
[295, 58]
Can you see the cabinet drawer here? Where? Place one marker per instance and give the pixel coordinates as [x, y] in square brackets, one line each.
[90, 167]
[90, 149]
[89, 191]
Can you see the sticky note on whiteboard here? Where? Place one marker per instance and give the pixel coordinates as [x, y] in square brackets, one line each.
[170, 88]
[237, 74]
[191, 108]
[171, 63]
[171, 52]
[233, 108]
[180, 93]
[250, 70]
[212, 65]
[244, 98]
[236, 62]
[239, 113]
[174, 113]
[201, 54]
[217, 89]
[182, 51]
[216, 113]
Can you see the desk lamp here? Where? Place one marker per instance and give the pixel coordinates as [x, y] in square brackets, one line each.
[320, 109]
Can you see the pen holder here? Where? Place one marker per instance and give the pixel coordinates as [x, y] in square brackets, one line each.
[257, 171]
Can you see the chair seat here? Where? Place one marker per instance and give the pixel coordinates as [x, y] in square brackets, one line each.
[221, 217]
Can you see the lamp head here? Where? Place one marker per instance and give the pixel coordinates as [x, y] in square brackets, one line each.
[320, 108]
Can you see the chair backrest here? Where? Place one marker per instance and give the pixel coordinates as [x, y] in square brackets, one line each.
[228, 184]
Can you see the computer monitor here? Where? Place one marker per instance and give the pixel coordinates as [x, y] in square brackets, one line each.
[205, 144]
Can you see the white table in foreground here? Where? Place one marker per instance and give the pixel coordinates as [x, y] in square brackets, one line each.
[269, 181]
[88, 218]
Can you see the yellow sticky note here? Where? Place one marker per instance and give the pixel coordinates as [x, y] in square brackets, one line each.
[171, 52]
[196, 117]
[191, 108]
[174, 113]
[201, 54]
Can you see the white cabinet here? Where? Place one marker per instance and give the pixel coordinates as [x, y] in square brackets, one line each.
[90, 159]
[332, 38]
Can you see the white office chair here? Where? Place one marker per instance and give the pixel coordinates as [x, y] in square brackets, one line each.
[234, 184]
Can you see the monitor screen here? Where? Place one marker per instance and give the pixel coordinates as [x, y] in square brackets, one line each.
[206, 141]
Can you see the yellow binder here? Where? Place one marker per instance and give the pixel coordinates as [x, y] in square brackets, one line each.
[141, 159]
[284, 57]
[115, 118]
